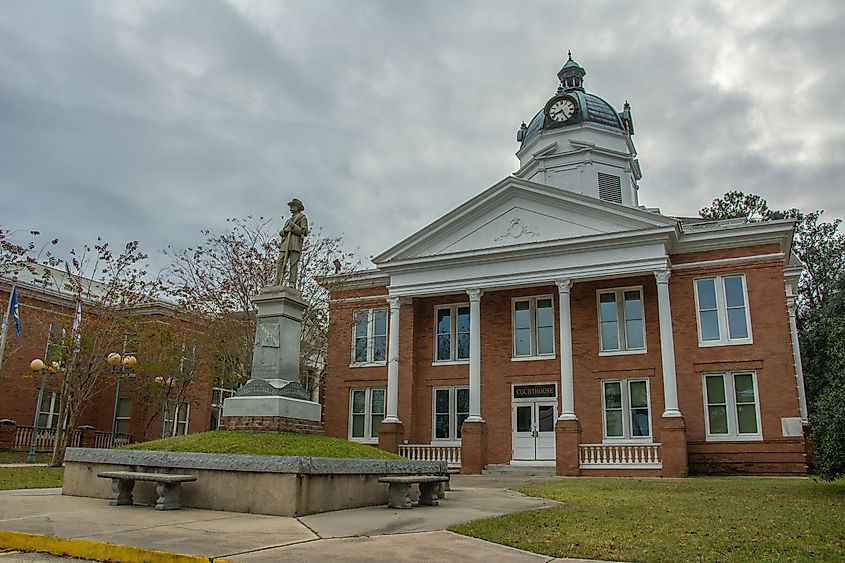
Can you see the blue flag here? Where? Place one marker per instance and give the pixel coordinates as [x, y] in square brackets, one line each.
[13, 306]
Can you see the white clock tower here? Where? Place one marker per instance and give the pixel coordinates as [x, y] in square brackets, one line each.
[578, 142]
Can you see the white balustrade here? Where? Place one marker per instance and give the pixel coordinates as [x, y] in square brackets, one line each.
[619, 456]
[432, 452]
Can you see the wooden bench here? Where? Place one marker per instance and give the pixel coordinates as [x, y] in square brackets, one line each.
[167, 487]
[399, 489]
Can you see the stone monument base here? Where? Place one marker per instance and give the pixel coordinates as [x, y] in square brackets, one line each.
[270, 424]
[272, 413]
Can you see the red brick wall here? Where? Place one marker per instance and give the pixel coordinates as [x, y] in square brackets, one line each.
[19, 389]
[770, 355]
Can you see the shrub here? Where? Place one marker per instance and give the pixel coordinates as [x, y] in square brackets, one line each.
[828, 423]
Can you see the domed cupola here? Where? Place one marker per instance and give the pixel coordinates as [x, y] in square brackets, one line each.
[571, 105]
[579, 142]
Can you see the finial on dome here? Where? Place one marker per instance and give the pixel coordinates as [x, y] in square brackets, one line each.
[571, 75]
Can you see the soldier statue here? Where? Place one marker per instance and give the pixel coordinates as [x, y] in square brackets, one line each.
[293, 233]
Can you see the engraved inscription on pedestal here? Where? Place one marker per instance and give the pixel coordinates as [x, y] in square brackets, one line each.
[278, 388]
[268, 335]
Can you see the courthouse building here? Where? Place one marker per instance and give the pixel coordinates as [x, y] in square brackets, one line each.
[553, 320]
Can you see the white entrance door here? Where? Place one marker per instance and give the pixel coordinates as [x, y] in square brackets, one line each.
[534, 430]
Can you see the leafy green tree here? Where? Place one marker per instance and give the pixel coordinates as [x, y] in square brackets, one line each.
[735, 205]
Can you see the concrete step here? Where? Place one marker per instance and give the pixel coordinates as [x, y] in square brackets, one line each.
[508, 469]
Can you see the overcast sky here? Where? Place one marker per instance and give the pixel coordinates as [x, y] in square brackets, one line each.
[151, 120]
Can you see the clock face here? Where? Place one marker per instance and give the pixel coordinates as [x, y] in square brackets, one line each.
[562, 110]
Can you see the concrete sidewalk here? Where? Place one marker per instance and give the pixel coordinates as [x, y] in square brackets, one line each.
[361, 534]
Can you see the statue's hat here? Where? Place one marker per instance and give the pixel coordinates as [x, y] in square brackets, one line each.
[297, 203]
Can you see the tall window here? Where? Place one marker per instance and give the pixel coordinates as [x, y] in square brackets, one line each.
[451, 408]
[533, 327]
[48, 414]
[732, 406]
[626, 409]
[218, 395]
[451, 333]
[621, 324]
[722, 307]
[369, 336]
[124, 412]
[181, 412]
[366, 411]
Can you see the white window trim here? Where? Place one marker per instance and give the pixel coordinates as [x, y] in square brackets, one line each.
[51, 414]
[453, 335]
[370, 338]
[730, 405]
[118, 418]
[453, 415]
[170, 428]
[722, 312]
[621, 325]
[626, 413]
[532, 311]
[218, 407]
[368, 414]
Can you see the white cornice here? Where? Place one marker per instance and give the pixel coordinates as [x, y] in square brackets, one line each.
[583, 125]
[731, 236]
[365, 279]
[533, 250]
[617, 269]
[728, 261]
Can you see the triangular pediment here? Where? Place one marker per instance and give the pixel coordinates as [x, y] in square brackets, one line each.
[518, 212]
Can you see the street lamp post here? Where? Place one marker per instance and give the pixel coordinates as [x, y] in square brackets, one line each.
[36, 366]
[119, 366]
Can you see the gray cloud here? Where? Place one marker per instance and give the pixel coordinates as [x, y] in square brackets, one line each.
[150, 120]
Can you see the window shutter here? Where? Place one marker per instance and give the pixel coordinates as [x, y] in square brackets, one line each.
[610, 187]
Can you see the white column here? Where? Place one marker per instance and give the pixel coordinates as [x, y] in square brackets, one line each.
[474, 355]
[392, 415]
[796, 354]
[567, 391]
[667, 345]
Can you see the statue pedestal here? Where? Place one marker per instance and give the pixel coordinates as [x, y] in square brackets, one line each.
[274, 399]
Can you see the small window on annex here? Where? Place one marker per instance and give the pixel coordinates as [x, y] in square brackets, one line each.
[218, 395]
[626, 409]
[124, 416]
[176, 418]
[451, 408]
[451, 333]
[621, 321]
[369, 336]
[366, 411]
[533, 327]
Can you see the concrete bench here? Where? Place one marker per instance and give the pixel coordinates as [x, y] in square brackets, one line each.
[167, 487]
[399, 489]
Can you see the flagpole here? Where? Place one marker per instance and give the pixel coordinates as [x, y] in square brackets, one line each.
[5, 328]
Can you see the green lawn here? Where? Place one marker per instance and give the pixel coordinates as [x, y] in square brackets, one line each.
[264, 443]
[20, 457]
[30, 477]
[696, 519]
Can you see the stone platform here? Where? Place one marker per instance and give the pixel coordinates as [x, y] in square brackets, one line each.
[276, 485]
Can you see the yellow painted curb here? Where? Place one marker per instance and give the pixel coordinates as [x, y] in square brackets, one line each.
[97, 551]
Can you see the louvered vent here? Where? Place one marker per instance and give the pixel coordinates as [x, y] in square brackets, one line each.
[610, 188]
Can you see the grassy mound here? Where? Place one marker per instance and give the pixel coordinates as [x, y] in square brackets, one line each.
[264, 443]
